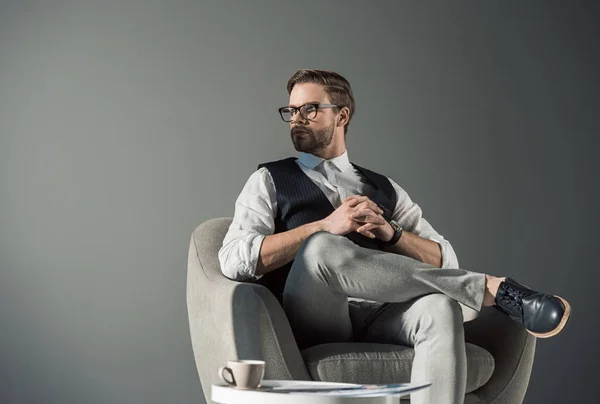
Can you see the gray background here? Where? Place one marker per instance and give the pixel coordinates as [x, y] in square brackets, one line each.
[124, 125]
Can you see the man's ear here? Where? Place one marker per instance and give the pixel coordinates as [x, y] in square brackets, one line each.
[344, 114]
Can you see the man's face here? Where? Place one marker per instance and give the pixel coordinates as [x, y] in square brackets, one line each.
[312, 135]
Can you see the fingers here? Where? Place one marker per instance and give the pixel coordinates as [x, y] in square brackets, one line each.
[367, 215]
[367, 212]
[364, 230]
[352, 197]
[355, 200]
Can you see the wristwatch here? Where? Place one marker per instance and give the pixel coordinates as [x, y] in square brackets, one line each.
[397, 232]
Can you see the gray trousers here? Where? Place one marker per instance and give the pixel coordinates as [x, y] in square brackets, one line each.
[419, 307]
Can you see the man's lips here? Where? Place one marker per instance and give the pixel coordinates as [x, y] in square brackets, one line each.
[300, 132]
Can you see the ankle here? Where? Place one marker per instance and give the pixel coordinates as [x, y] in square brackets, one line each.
[491, 289]
[493, 284]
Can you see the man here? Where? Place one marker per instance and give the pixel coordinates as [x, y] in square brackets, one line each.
[351, 257]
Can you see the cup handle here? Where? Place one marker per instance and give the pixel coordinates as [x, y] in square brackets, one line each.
[222, 371]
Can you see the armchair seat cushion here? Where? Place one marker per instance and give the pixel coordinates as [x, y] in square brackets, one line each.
[370, 363]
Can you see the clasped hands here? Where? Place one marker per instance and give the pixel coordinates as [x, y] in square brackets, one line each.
[359, 213]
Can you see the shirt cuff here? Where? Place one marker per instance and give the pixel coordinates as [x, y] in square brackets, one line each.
[449, 259]
[254, 255]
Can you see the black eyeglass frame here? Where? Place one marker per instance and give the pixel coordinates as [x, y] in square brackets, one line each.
[300, 108]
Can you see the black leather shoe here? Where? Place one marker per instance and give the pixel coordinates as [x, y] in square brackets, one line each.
[541, 314]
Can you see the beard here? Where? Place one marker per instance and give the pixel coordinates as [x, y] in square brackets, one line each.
[310, 141]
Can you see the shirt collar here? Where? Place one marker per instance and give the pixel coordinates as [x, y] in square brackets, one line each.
[310, 161]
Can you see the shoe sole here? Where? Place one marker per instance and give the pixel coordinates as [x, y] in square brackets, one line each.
[560, 326]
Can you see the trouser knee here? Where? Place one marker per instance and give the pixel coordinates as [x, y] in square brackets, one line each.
[321, 250]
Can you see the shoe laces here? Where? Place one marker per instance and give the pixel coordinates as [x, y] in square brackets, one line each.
[512, 296]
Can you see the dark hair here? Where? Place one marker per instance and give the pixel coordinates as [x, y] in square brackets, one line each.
[337, 88]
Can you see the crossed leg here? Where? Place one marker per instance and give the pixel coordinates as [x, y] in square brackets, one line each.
[330, 268]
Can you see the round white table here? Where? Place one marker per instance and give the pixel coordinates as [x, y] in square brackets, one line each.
[268, 394]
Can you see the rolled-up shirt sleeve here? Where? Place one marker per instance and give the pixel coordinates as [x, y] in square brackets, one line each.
[253, 220]
[410, 216]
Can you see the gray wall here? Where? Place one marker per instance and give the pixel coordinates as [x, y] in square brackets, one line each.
[124, 125]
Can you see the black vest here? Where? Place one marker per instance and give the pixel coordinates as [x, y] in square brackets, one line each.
[301, 201]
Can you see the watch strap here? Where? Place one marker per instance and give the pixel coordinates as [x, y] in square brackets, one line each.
[397, 233]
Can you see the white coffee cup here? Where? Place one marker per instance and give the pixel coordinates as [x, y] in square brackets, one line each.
[243, 374]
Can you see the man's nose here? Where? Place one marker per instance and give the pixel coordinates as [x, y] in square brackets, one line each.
[297, 117]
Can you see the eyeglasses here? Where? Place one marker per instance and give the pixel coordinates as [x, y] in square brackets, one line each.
[307, 111]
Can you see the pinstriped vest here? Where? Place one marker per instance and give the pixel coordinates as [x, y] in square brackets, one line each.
[301, 201]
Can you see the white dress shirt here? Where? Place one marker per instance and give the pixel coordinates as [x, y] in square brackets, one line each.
[256, 209]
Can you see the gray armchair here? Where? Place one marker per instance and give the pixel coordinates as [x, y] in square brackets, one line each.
[236, 320]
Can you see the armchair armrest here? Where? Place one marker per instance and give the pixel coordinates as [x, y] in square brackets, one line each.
[513, 350]
[235, 320]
